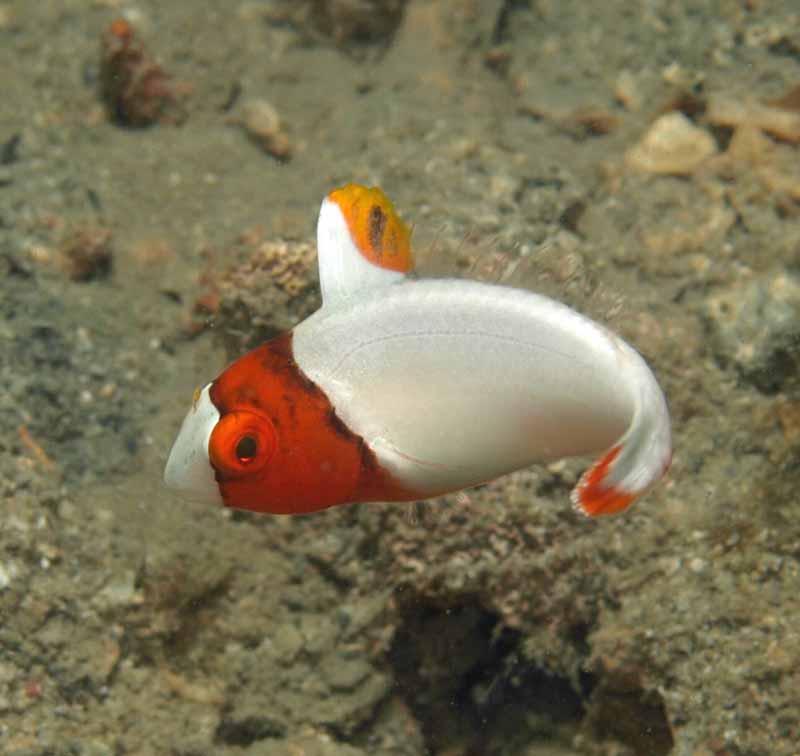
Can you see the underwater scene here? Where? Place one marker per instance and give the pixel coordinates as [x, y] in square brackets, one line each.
[399, 378]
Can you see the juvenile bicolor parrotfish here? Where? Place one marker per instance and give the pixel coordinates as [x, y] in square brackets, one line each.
[399, 389]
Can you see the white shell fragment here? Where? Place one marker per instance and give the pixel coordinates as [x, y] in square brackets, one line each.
[263, 125]
[672, 145]
[780, 122]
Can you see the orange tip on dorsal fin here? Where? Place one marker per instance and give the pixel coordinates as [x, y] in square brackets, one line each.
[595, 495]
[376, 229]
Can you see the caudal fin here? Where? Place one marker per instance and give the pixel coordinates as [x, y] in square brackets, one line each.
[631, 467]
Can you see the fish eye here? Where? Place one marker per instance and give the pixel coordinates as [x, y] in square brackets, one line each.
[241, 443]
[246, 449]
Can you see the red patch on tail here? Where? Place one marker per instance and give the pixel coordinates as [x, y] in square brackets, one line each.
[595, 498]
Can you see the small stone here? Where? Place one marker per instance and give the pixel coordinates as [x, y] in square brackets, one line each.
[313, 744]
[6, 575]
[626, 91]
[504, 189]
[698, 565]
[287, 641]
[136, 90]
[96, 748]
[789, 418]
[87, 254]
[344, 674]
[263, 125]
[756, 327]
[781, 122]
[120, 592]
[672, 145]
[354, 25]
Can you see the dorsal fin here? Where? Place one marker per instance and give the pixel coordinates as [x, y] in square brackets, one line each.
[361, 242]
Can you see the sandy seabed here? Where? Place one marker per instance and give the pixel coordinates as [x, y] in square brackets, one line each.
[525, 142]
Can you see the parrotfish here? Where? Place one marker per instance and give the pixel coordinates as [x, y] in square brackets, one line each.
[400, 389]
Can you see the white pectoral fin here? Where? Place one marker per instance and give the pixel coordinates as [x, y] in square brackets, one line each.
[361, 243]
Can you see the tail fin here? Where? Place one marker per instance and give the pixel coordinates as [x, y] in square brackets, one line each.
[631, 467]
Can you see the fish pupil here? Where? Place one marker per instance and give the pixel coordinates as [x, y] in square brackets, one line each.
[246, 449]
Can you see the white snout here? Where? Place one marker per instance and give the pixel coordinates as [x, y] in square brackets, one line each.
[188, 468]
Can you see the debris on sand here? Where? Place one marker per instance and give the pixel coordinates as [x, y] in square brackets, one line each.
[273, 287]
[263, 125]
[355, 26]
[778, 121]
[86, 255]
[672, 145]
[135, 89]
